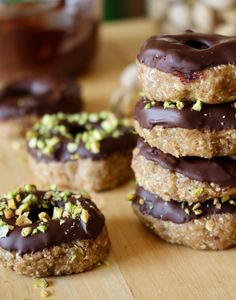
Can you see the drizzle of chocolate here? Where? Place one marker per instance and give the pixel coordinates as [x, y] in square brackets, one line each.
[39, 96]
[186, 54]
[55, 234]
[218, 170]
[110, 145]
[211, 117]
[172, 211]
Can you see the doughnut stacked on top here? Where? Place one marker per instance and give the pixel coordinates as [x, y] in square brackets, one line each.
[184, 161]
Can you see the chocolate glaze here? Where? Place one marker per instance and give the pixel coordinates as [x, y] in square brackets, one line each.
[218, 170]
[56, 234]
[38, 96]
[211, 117]
[188, 53]
[172, 211]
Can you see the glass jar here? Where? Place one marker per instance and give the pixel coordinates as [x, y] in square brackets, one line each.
[47, 36]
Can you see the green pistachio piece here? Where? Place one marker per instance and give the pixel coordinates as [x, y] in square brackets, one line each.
[197, 106]
[26, 231]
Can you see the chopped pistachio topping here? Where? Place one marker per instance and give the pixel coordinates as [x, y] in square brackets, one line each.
[40, 283]
[197, 211]
[197, 205]
[73, 257]
[168, 104]
[148, 106]
[72, 210]
[30, 188]
[44, 294]
[131, 197]
[26, 231]
[23, 220]
[187, 211]
[53, 187]
[4, 231]
[18, 205]
[42, 228]
[43, 216]
[95, 147]
[11, 204]
[62, 221]
[225, 199]
[197, 192]
[72, 147]
[35, 231]
[8, 213]
[197, 106]
[141, 201]
[2, 223]
[57, 213]
[60, 130]
[179, 104]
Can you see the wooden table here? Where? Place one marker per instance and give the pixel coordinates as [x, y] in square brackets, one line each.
[141, 265]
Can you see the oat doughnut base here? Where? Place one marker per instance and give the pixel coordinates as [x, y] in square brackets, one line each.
[16, 127]
[185, 142]
[64, 259]
[216, 232]
[172, 185]
[85, 173]
[213, 85]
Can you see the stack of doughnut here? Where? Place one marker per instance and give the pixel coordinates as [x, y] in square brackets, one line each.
[184, 161]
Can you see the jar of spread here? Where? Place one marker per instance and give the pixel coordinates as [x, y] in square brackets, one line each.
[47, 36]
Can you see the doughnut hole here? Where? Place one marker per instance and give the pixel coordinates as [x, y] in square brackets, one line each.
[197, 44]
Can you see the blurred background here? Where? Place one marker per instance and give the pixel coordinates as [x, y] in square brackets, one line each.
[61, 36]
[176, 15]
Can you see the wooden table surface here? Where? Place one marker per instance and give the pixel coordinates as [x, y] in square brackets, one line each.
[141, 265]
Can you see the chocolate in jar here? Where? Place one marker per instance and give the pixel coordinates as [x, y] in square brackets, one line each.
[56, 36]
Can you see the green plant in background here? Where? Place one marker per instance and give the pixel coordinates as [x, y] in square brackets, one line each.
[113, 9]
[116, 9]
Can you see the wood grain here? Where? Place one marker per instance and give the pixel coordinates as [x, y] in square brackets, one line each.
[141, 265]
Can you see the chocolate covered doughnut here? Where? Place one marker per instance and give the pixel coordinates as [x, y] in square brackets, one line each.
[208, 132]
[208, 225]
[184, 161]
[22, 102]
[52, 232]
[190, 178]
[190, 66]
[90, 151]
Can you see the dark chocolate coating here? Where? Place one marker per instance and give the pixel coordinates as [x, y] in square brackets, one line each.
[184, 54]
[172, 211]
[56, 234]
[218, 170]
[211, 117]
[38, 96]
